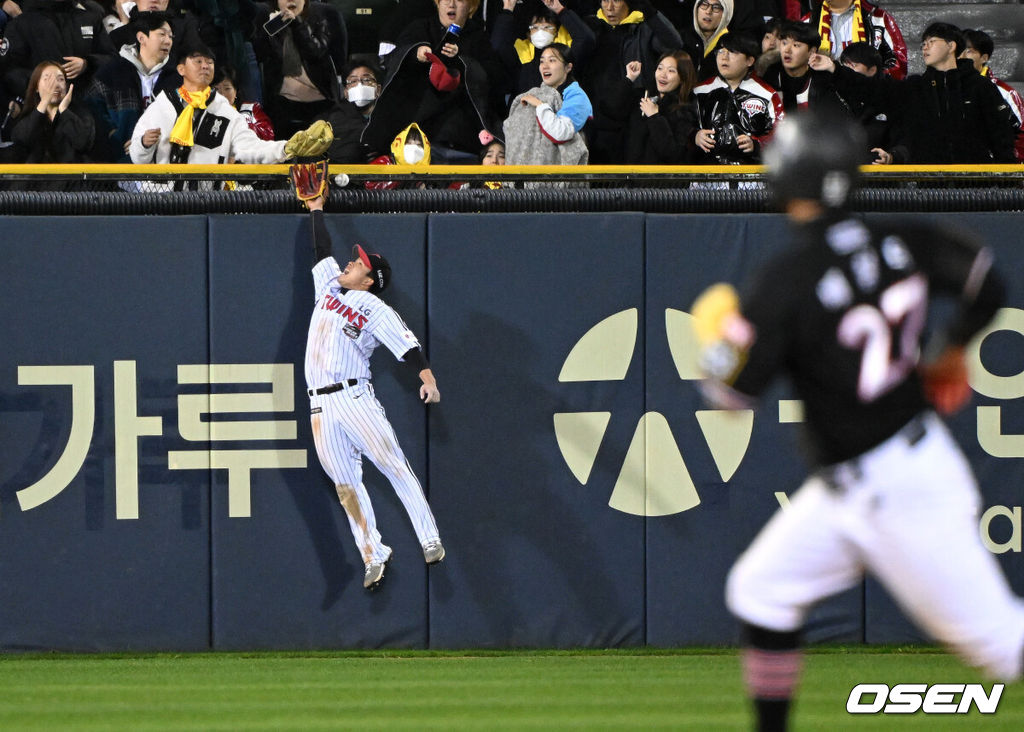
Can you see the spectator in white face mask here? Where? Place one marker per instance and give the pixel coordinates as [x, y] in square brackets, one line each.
[360, 83]
[553, 23]
[410, 147]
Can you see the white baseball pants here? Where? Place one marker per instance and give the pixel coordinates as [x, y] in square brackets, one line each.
[348, 424]
[908, 514]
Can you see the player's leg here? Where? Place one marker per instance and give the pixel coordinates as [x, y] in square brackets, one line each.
[926, 550]
[370, 430]
[799, 558]
[342, 461]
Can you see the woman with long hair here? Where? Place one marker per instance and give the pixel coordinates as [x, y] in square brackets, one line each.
[49, 128]
[660, 123]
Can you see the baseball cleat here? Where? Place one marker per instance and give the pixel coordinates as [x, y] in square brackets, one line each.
[433, 551]
[374, 575]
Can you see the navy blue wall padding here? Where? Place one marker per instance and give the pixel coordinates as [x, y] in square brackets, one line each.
[536, 558]
[89, 292]
[297, 550]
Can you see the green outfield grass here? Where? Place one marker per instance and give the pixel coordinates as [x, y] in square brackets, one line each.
[684, 689]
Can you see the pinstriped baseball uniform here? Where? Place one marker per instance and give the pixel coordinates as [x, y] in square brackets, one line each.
[349, 422]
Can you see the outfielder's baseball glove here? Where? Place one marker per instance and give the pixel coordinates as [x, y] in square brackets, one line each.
[310, 180]
[311, 142]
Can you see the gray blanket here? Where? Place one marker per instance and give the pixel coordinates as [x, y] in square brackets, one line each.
[525, 144]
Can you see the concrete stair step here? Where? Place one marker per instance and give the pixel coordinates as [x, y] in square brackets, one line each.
[1001, 20]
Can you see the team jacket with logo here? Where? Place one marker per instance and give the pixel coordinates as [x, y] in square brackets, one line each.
[1015, 102]
[843, 312]
[881, 32]
[347, 325]
[752, 109]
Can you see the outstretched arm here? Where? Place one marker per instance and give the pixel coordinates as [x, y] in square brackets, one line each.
[321, 239]
[428, 391]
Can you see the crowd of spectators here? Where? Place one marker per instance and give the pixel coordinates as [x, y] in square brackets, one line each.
[648, 82]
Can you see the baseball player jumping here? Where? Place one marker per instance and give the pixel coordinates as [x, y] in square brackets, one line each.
[842, 313]
[349, 321]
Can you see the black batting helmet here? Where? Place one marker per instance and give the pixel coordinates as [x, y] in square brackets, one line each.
[815, 155]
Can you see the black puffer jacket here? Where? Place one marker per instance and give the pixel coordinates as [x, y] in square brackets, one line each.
[955, 116]
[448, 118]
[665, 138]
[751, 109]
[348, 123]
[616, 46]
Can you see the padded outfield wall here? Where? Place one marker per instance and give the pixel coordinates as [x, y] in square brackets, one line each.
[159, 488]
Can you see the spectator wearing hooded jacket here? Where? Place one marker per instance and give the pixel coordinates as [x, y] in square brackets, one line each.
[184, 27]
[709, 23]
[70, 32]
[449, 84]
[950, 114]
[624, 33]
[410, 147]
[551, 23]
[737, 112]
[129, 83]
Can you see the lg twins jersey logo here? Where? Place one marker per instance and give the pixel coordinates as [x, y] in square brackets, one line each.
[754, 106]
[356, 320]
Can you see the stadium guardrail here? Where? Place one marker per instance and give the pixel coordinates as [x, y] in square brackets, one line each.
[150, 189]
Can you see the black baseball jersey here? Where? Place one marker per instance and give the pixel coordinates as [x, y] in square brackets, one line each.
[843, 313]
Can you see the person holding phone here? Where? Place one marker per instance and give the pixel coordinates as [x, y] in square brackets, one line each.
[444, 76]
[659, 123]
[293, 42]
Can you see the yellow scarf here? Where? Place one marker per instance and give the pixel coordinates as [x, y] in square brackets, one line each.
[181, 133]
[985, 71]
[635, 17]
[526, 50]
[825, 26]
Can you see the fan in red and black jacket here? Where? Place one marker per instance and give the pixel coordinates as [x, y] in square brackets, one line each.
[842, 22]
[736, 111]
